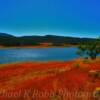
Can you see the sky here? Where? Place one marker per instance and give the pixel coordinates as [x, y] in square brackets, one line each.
[79, 18]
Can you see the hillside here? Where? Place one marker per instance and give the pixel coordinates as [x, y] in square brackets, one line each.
[10, 40]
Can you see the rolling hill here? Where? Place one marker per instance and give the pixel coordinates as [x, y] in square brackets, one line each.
[10, 40]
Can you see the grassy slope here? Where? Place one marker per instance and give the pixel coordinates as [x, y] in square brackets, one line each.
[38, 77]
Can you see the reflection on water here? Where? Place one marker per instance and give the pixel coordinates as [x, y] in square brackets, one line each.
[36, 54]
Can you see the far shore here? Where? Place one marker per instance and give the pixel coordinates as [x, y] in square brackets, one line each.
[38, 46]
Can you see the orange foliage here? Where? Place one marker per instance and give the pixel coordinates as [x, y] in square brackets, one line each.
[47, 80]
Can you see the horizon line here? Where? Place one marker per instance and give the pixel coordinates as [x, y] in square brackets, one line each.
[48, 35]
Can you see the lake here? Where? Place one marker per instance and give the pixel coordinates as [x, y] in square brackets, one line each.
[37, 54]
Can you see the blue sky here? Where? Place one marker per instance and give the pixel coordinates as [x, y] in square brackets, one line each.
[59, 17]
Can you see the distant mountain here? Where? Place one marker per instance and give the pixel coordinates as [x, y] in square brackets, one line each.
[10, 40]
[5, 35]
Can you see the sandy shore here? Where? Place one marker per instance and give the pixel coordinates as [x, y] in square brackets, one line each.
[39, 46]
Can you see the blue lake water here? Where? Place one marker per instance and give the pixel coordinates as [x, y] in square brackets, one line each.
[37, 54]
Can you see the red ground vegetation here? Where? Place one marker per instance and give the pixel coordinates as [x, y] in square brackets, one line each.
[49, 80]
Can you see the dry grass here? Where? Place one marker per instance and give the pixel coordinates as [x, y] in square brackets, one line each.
[55, 76]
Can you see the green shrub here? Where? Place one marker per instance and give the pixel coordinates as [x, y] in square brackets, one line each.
[77, 65]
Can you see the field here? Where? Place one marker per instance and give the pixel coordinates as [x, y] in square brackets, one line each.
[70, 80]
